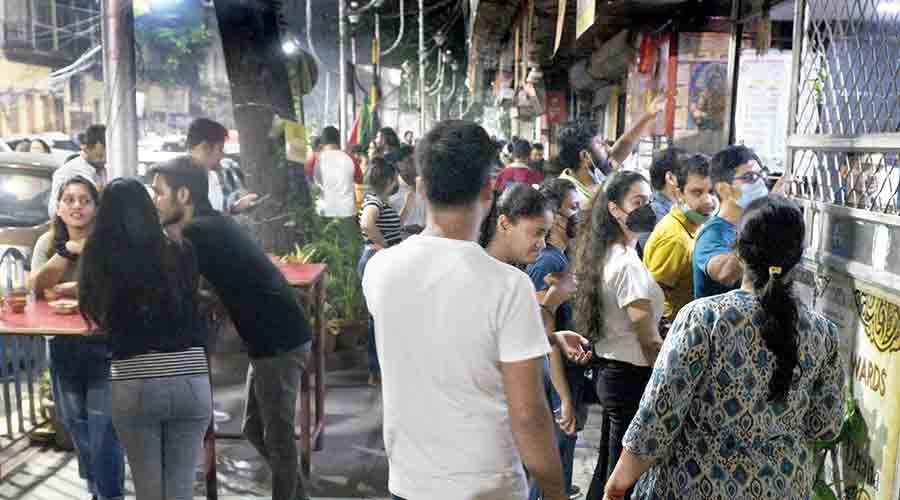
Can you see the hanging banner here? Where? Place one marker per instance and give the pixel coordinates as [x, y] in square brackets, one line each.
[555, 106]
[295, 141]
[584, 16]
[560, 25]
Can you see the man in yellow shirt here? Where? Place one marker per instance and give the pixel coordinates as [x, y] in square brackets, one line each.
[669, 252]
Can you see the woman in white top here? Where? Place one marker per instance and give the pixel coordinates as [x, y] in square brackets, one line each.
[618, 306]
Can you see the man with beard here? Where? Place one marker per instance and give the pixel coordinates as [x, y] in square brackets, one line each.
[587, 160]
[536, 160]
[90, 164]
[262, 306]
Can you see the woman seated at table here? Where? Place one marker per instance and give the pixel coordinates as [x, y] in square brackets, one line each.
[79, 368]
[161, 396]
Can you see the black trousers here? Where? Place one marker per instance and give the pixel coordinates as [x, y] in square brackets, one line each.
[619, 389]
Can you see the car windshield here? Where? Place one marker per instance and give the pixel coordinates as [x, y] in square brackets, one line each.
[65, 145]
[23, 198]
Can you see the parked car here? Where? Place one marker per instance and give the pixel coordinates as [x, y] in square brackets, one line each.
[159, 149]
[4, 148]
[25, 184]
[62, 146]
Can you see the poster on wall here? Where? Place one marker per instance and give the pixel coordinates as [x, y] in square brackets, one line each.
[869, 323]
[762, 103]
[644, 86]
[707, 95]
[702, 85]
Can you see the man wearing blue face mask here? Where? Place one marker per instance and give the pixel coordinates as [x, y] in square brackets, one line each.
[738, 180]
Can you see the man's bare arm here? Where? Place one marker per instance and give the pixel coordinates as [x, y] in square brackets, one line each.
[532, 425]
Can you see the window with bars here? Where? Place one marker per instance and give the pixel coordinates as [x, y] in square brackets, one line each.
[846, 136]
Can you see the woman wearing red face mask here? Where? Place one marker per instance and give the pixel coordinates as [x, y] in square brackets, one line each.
[618, 306]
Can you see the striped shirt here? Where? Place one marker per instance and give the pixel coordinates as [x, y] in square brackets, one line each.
[388, 220]
[160, 364]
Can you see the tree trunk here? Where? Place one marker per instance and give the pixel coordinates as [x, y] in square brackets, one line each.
[260, 89]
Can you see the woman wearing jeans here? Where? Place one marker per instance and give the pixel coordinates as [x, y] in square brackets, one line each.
[79, 367]
[618, 306]
[161, 398]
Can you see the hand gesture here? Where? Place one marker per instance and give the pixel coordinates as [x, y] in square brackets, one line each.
[562, 287]
[574, 347]
[658, 105]
[75, 247]
[244, 203]
[567, 417]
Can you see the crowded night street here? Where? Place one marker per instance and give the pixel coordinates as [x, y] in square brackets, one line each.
[449, 249]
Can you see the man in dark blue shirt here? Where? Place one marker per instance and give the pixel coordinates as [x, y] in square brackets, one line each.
[262, 306]
[663, 179]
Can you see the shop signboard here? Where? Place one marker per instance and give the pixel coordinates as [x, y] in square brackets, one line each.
[585, 13]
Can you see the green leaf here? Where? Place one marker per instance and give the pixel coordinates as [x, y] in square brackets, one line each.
[822, 491]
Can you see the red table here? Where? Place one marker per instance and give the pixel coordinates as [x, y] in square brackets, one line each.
[39, 319]
[310, 280]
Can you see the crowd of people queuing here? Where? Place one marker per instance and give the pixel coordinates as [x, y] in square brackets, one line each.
[505, 298]
[710, 374]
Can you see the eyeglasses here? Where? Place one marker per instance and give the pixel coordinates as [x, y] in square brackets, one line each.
[750, 176]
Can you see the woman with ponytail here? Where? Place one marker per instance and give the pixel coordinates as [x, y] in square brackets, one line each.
[743, 382]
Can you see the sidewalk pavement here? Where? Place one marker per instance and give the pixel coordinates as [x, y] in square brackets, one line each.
[352, 463]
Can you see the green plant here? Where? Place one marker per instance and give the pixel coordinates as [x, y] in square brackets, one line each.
[336, 243]
[853, 433]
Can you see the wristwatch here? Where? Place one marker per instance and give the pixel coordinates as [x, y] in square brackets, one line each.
[64, 252]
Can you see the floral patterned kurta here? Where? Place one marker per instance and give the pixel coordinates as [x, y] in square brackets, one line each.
[705, 415]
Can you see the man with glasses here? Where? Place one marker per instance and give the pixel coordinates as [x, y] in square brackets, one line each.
[738, 180]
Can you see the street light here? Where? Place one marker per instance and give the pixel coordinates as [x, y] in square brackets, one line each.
[290, 45]
[440, 39]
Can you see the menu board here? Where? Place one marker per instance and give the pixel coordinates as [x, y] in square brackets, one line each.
[762, 104]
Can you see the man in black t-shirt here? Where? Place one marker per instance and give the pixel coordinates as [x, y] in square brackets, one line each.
[262, 306]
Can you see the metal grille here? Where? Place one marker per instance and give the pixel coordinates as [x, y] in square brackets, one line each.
[866, 180]
[844, 143]
[850, 69]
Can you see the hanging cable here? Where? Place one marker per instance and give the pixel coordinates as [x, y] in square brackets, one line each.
[399, 36]
[309, 39]
[430, 88]
[452, 92]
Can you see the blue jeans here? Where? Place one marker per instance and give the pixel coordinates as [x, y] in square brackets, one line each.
[162, 422]
[84, 403]
[374, 367]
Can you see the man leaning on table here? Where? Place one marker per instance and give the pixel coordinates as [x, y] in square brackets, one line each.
[262, 306]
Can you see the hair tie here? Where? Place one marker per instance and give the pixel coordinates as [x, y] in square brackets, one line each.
[774, 272]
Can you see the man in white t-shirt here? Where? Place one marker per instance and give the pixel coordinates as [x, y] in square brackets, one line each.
[90, 164]
[335, 172]
[461, 343]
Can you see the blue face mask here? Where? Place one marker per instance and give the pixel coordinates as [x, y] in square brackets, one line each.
[752, 192]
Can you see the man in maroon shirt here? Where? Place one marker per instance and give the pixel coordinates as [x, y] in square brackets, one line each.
[519, 170]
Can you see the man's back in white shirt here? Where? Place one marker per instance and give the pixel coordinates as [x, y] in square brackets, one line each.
[446, 316]
[335, 172]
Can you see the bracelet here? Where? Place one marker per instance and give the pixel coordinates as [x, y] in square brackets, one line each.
[547, 308]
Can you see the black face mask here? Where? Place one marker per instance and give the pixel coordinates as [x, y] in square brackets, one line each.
[641, 220]
[537, 165]
[395, 190]
[572, 225]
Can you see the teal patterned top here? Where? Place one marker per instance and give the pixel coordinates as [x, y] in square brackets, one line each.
[705, 416]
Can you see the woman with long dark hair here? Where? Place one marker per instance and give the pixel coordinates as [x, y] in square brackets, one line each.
[140, 289]
[744, 381]
[79, 368]
[618, 307]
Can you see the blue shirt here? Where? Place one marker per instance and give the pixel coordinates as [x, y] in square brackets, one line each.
[661, 205]
[716, 237]
[552, 260]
